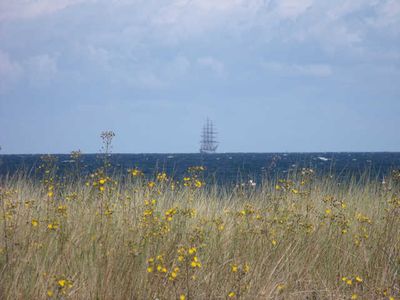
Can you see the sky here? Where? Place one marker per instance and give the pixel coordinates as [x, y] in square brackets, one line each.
[273, 75]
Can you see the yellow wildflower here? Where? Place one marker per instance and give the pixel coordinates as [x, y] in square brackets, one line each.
[34, 222]
[136, 172]
[147, 212]
[62, 209]
[198, 184]
[151, 184]
[231, 294]
[162, 176]
[280, 287]
[246, 268]
[195, 263]
[52, 226]
[62, 282]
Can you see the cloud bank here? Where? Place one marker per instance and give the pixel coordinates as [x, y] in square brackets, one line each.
[197, 57]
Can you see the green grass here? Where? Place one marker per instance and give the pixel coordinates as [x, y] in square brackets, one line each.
[281, 240]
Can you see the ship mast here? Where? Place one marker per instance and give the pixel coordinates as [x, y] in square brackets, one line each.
[208, 142]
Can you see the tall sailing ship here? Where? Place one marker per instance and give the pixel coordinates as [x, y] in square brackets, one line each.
[208, 143]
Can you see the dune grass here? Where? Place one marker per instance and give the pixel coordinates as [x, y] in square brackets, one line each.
[103, 237]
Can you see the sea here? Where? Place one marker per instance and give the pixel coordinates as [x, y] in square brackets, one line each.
[221, 168]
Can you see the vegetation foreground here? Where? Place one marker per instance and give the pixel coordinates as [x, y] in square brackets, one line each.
[103, 237]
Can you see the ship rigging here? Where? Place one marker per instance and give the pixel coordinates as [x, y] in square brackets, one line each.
[208, 143]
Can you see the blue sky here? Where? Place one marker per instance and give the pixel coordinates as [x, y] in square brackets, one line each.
[287, 75]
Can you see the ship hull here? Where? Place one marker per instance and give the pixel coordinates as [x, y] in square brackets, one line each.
[207, 151]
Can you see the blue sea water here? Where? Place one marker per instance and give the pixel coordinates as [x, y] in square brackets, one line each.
[220, 167]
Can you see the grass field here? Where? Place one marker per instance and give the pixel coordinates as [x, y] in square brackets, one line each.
[103, 237]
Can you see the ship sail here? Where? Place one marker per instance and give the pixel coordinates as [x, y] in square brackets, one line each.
[208, 142]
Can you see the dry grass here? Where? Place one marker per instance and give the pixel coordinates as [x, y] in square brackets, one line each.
[300, 239]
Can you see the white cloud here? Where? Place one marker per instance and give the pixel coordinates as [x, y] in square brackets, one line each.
[159, 74]
[391, 9]
[176, 21]
[340, 24]
[41, 69]
[314, 70]
[388, 16]
[26, 9]
[98, 55]
[213, 64]
[292, 8]
[181, 20]
[137, 47]
[318, 70]
[343, 8]
[179, 66]
[10, 71]
[146, 79]
[38, 70]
